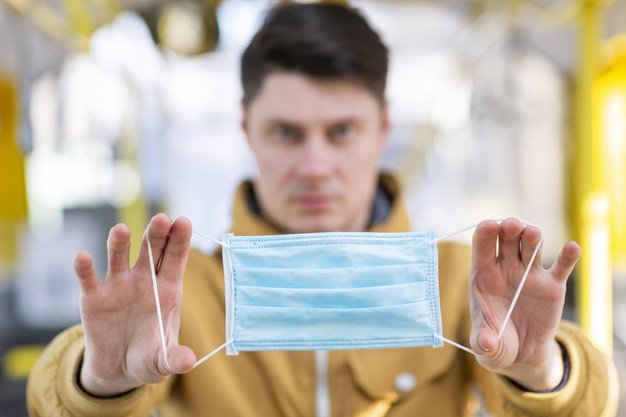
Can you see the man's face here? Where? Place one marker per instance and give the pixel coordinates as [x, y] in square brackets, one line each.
[317, 145]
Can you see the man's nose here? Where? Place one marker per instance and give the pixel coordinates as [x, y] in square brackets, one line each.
[316, 158]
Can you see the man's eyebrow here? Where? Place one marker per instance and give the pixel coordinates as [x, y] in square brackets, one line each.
[338, 120]
[346, 120]
[274, 123]
[282, 122]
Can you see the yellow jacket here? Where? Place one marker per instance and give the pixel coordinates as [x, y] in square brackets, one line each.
[362, 383]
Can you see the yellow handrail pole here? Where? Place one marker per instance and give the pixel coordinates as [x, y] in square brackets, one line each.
[596, 286]
[13, 210]
[591, 208]
[589, 38]
[610, 100]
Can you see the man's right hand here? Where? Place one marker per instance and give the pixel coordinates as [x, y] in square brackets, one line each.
[122, 339]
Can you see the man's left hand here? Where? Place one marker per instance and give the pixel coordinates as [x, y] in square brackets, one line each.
[527, 352]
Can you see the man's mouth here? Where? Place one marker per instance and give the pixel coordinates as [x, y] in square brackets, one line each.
[313, 202]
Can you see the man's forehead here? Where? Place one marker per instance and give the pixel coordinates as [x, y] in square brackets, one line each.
[291, 97]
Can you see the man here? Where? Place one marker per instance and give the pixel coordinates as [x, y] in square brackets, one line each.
[316, 119]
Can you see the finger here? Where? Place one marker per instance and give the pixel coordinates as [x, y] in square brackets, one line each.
[484, 341]
[484, 244]
[158, 232]
[85, 271]
[118, 247]
[177, 250]
[565, 262]
[509, 247]
[531, 237]
[181, 359]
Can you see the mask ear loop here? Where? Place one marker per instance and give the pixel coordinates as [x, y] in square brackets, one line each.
[158, 307]
[518, 291]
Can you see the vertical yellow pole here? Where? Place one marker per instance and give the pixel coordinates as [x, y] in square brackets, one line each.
[589, 39]
[12, 180]
[591, 209]
[610, 100]
[595, 290]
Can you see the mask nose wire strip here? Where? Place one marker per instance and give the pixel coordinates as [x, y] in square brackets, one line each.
[518, 291]
[160, 315]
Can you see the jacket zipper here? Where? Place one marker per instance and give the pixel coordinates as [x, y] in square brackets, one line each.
[322, 394]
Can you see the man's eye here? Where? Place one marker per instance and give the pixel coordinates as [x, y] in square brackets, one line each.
[287, 133]
[341, 132]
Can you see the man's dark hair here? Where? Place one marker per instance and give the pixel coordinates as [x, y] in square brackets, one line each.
[323, 41]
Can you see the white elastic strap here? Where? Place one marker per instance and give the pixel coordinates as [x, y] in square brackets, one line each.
[158, 303]
[458, 232]
[455, 344]
[212, 353]
[219, 242]
[160, 315]
[518, 291]
[475, 225]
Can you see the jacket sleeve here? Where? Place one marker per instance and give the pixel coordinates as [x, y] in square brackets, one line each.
[592, 389]
[53, 390]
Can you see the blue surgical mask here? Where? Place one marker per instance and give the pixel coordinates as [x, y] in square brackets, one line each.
[323, 291]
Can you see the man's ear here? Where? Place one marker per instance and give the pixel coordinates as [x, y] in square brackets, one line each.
[385, 122]
[244, 120]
